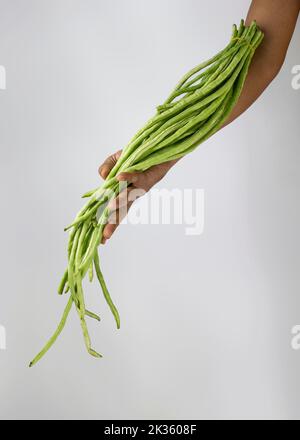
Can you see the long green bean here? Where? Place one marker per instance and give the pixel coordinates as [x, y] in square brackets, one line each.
[193, 112]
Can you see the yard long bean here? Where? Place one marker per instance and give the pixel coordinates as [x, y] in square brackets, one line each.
[194, 111]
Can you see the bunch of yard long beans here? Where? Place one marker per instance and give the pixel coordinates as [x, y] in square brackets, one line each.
[195, 110]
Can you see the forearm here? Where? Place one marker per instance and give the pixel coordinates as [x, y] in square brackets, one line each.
[277, 19]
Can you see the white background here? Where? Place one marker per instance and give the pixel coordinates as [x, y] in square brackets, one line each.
[206, 320]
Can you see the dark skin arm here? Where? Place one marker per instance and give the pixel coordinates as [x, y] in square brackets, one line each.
[277, 19]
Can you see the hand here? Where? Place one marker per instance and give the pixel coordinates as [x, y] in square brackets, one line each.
[143, 181]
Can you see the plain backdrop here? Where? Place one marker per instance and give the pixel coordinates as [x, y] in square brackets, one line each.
[206, 320]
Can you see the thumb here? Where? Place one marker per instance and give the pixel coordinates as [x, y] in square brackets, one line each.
[108, 164]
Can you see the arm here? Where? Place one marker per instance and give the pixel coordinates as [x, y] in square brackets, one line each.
[277, 19]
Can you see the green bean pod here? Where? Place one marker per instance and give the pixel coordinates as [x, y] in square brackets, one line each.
[195, 110]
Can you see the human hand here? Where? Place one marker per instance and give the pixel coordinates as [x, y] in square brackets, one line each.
[140, 182]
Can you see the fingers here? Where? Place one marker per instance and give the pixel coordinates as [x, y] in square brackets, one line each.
[108, 164]
[138, 180]
[146, 179]
[114, 221]
[140, 183]
[119, 208]
[125, 198]
[128, 177]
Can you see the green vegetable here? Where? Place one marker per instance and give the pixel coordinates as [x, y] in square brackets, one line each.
[194, 111]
